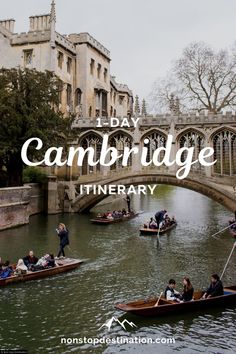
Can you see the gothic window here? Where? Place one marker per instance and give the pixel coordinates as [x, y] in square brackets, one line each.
[69, 65]
[78, 97]
[192, 139]
[99, 71]
[95, 142]
[224, 144]
[69, 94]
[92, 64]
[28, 57]
[156, 140]
[60, 59]
[121, 99]
[120, 141]
[105, 75]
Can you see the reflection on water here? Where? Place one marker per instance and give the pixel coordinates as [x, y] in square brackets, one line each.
[122, 266]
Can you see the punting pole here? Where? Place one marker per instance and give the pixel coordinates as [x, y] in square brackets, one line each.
[156, 304]
[228, 260]
[228, 227]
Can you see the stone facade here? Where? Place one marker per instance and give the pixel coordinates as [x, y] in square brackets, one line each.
[18, 203]
[81, 62]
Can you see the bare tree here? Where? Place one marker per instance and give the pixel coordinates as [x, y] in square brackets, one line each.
[203, 79]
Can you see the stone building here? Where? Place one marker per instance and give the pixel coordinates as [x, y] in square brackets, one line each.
[81, 62]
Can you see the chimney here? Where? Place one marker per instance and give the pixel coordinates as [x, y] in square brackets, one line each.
[39, 23]
[8, 24]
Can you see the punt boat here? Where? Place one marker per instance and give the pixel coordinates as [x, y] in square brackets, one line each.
[165, 307]
[106, 221]
[64, 265]
[154, 232]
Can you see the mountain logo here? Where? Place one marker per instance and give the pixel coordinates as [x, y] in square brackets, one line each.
[109, 323]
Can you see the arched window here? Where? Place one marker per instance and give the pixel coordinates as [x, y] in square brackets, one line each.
[95, 142]
[224, 144]
[156, 140]
[192, 139]
[78, 97]
[120, 141]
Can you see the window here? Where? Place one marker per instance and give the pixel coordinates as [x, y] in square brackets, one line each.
[69, 65]
[105, 75]
[68, 94]
[121, 99]
[78, 96]
[60, 59]
[99, 71]
[92, 64]
[28, 57]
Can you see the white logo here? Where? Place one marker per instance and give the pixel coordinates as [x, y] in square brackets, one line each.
[109, 323]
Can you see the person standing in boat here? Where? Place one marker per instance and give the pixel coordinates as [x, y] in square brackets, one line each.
[216, 287]
[170, 292]
[159, 216]
[63, 234]
[187, 294]
[128, 203]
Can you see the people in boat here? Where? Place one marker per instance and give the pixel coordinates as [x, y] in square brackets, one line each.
[216, 287]
[170, 292]
[46, 261]
[188, 290]
[7, 270]
[152, 224]
[63, 234]
[30, 259]
[124, 212]
[50, 261]
[159, 216]
[21, 268]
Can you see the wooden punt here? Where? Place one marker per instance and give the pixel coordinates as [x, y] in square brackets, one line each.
[147, 308]
[154, 232]
[104, 221]
[64, 265]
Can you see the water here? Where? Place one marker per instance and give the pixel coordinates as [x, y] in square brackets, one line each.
[122, 266]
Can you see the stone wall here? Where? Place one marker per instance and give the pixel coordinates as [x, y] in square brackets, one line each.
[18, 203]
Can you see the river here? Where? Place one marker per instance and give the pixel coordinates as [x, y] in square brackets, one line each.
[121, 266]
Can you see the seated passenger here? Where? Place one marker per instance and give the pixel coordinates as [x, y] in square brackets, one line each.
[30, 259]
[187, 294]
[21, 267]
[170, 292]
[152, 224]
[215, 288]
[123, 211]
[50, 261]
[6, 270]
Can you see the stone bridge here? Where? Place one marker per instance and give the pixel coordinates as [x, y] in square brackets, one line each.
[194, 130]
[211, 188]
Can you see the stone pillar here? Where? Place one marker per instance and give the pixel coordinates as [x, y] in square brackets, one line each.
[136, 164]
[53, 206]
[174, 148]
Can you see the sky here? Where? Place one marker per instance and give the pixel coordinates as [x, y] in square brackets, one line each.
[144, 36]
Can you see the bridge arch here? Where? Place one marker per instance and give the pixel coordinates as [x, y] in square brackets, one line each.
[211, 190]
[153, 130]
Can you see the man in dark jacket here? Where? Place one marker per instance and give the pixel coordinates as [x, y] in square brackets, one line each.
[215, 288]
[63, 234]
[30, 259]
[159, 216]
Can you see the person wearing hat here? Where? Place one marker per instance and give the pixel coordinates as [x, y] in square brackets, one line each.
[63, 234]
